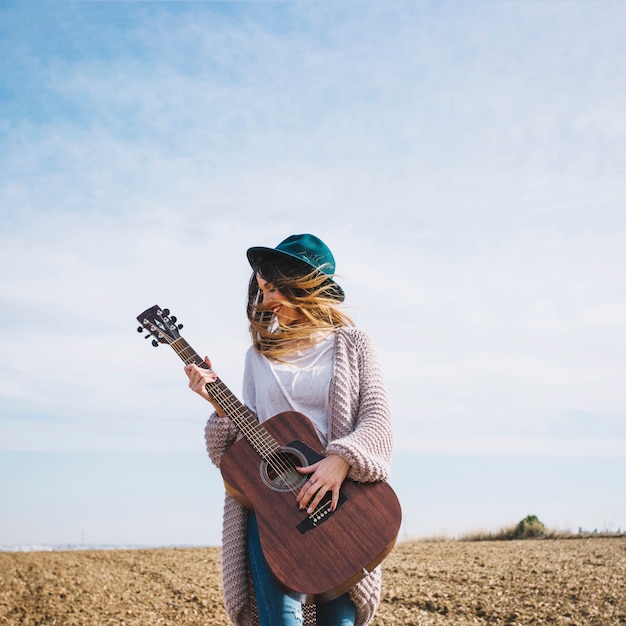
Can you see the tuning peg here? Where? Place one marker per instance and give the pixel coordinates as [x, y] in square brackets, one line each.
[139, 329]
[173, 319]
[148, 336]
[166, 311]
[155, 343]
[179, 326]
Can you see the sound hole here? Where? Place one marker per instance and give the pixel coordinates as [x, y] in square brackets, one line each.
[279, 472]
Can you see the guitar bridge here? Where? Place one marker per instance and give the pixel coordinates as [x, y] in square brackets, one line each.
[321, 513]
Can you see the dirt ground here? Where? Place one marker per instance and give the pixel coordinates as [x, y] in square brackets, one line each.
[523, 583]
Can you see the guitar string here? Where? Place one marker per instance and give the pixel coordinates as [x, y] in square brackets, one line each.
[258, 437]
[243, 420]
[226, 396]
[263, 442]
[243, 416]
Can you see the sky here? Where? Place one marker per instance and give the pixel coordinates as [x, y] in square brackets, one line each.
[465, 162]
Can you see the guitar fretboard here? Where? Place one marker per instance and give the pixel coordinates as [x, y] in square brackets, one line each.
[262, 442]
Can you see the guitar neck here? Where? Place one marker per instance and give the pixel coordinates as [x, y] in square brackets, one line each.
[163, 327]
[217, 390]
[264, 444]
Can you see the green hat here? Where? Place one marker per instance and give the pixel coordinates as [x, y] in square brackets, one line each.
[307, 249]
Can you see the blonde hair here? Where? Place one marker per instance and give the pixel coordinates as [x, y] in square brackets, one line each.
[312, 293]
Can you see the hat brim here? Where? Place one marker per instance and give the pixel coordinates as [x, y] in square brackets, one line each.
[259, 255]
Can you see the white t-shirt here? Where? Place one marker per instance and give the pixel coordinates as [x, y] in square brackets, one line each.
[299, 383]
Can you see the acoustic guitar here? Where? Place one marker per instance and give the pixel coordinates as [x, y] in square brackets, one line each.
[314, 557]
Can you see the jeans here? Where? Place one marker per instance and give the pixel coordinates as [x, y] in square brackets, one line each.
[275, 607]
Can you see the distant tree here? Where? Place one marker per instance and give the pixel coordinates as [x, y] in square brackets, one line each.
[530, 526]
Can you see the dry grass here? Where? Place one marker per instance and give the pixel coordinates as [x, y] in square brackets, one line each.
[562, 581]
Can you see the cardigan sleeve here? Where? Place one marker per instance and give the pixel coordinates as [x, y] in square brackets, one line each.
[219, 434]
[361, 428]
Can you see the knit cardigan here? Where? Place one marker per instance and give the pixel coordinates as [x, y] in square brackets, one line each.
[359, 430]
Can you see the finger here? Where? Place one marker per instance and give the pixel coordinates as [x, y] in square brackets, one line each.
[191, 373]
[201, 376]
[316, 500]
[303, 495]
[198, 380]
[309, 489]
[303, 498]
[308, 469]
[209, 376]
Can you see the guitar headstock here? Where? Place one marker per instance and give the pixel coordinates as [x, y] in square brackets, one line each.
[160, 325]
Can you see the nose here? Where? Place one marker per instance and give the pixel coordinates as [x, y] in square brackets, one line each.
[265, 298]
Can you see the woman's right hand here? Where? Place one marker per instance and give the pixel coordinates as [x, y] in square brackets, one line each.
[199, 378]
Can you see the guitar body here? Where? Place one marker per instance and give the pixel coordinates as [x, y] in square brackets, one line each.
[320, 559]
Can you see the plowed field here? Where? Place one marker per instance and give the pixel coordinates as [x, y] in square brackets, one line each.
[525, 583]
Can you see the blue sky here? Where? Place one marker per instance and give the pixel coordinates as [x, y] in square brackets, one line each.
[464, 161]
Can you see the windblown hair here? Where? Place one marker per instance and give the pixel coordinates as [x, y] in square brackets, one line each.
[311, 292]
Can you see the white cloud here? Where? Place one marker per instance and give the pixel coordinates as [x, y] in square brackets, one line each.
[464, 164]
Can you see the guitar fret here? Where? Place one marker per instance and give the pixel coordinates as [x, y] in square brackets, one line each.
[164, 328]
[262, 442]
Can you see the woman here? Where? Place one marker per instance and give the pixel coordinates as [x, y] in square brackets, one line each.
[306, 356]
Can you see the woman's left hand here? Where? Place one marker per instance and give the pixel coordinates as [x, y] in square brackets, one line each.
[326, 475]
